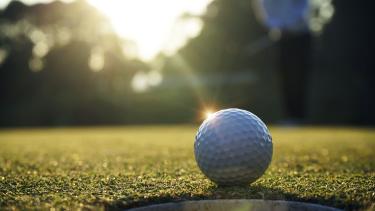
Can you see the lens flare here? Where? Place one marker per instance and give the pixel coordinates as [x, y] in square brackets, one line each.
[209, 114]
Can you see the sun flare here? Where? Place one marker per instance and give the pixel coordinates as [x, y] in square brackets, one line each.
[153, 25]
[209, 114]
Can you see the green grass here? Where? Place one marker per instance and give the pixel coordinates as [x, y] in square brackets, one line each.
[126, 167]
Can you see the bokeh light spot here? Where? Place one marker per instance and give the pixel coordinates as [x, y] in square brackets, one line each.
[3, 55]
[40, 49]
[36, 64]
[96, 60]
[139, 82]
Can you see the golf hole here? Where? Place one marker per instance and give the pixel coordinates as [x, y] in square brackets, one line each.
[235, 205]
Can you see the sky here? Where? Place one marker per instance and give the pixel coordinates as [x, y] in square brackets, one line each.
[153, 26]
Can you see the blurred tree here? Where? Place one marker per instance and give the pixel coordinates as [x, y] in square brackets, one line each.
[63, 65]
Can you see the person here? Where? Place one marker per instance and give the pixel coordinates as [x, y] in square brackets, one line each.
[289, 19]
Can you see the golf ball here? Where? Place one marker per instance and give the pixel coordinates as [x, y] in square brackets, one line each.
[233, 147]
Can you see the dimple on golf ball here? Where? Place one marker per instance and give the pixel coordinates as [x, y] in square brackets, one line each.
[233, 147]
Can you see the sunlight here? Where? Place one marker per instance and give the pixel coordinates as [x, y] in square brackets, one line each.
[209, 114]
[152, 24]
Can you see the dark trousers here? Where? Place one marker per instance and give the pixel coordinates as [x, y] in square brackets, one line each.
[295, 59]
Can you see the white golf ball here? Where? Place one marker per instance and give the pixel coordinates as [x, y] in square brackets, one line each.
[233, 147]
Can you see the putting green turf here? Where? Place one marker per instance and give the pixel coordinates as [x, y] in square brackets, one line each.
[126, 167]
